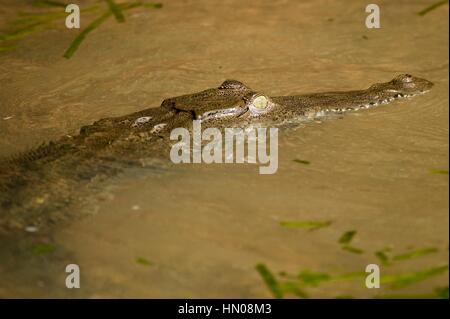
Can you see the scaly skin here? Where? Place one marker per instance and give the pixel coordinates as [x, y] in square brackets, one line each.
[36, 187]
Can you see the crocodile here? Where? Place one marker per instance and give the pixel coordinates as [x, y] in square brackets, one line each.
[38, 186]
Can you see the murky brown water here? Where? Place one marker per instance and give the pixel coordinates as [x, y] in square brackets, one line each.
[204, 228]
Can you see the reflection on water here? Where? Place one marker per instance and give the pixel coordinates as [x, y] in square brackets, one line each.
[370, 187]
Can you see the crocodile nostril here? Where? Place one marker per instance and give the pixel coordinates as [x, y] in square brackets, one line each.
[407, 78]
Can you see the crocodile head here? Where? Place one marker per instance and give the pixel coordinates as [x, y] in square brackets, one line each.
[235, 103]
[403, 85]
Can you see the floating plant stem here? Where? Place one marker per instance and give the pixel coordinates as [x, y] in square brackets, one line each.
[143, 261]
[19, 33]
[313, 278]
[41, 249]
[116, 10]
[153, 5]
[270, 281]
[7, 48]
[432, 7]
[49, 3]
[406, 296]
[29, 23]
[345, 240]
[54, 14]
[439, 171]
[402, 280]
[299, 161]
[297, 283]
[311, 225]
[352, 249]
[293, 287]
[92, 26]
[415, 253]
[95, 24]
[347, 237]
[441, 292]
[383, 257]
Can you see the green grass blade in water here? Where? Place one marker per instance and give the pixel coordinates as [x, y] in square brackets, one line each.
[406, 296]
[76, 43]
[439, 171]
[382, 257]
[116, 10]
[41, 249]
[402, 280]
[21, 32]
[313, 278]
[153, 5]
[299, 161]
[270, 281]
[293, 288]
[7, 48]
[350, 276]
[49, 3]
[347, 237]
[311, 225]
[415, 254]
[95, 24]
[441, 292]
[143, 261]
[432, 7]
[352, 249]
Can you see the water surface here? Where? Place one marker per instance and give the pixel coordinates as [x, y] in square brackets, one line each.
[199, 231]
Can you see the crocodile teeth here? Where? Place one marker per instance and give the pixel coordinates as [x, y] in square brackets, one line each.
[320, 113]
[141, 120]
[158, 128]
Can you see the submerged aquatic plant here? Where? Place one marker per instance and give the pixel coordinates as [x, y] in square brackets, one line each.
[143, 261]
[438, 293]
[347, 237]
[48, 3]
[415, 254]
[114, 9]
[345, 240]
[31, 22]
[432, 7]
[296, 285]
[439, 171]
[402, 280]
[270, 280]
[43, 248]
[383, 257]
[299, 161]
[309, 224]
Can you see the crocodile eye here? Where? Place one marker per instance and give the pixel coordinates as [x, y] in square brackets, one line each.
[260, 102]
